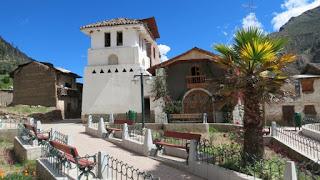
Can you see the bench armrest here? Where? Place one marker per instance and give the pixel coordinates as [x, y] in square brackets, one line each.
[88, 157]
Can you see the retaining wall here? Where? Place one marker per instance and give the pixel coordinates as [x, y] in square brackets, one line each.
[210, 171]
[25, 151]
[311, 133]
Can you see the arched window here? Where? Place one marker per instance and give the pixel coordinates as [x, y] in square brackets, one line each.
[195, 71]
[113, 59]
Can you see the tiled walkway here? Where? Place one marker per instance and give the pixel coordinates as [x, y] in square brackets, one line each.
[91, 145]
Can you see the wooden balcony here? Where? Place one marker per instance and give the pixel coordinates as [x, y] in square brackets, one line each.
[62, 91]
[196, 81]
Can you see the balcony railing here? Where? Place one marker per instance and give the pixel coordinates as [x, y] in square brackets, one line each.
[62, 91]
[196, 81]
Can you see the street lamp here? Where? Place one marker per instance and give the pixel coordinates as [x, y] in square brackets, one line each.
[136, 77]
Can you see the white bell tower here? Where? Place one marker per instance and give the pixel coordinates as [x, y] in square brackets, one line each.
[120, 48]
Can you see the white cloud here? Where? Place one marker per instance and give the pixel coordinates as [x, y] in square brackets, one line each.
[251, 21]
[164, 49]
[225, 33]
[292, 8]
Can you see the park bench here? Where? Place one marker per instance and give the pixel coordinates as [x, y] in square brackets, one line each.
[189, 118]
[69, 154]
[33, 134]
[186, 137]
[118, 122]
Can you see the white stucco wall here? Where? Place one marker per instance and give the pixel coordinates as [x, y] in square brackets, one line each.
[274, 110]
[105, 93]
[112, 92]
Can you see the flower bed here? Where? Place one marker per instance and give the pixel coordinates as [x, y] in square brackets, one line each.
[10, 168]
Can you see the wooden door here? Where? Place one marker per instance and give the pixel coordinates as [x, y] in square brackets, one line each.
[288, 114]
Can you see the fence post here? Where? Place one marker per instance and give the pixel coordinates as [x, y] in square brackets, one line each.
[101, 128]
[31, 121]
[52, 134]
[89, 123]
[205, 118]
[148, 143]
[111, 118]
[38, 126]
[69, 140]
[192, 151]
[103, 170]
[125, 133]
[273, 129]
[290, 172]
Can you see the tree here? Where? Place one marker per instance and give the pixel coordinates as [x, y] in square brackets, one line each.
[255, 69]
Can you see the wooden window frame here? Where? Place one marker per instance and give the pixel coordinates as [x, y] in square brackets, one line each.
[307, 85]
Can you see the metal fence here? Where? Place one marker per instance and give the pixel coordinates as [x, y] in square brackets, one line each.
[58, 136]
[310, 120]
[136, 133]
[315, 127]
[61, 166]
[304, 145]
[230, 156]
[11, 123]
[115, 169]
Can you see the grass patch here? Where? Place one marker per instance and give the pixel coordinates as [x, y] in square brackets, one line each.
[5, 81]
[26, 109]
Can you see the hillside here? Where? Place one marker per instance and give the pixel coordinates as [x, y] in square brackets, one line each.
[303, 34]
[10, 57]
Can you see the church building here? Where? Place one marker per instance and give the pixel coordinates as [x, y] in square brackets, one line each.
[120, 49]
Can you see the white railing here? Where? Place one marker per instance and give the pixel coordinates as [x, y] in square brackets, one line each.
[10, 123]
[305, 146]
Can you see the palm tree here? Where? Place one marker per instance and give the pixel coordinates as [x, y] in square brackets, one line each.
[255, 69]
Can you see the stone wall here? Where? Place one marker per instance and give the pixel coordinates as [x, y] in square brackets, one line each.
[35, 84]
[49, 116]
[6, 97]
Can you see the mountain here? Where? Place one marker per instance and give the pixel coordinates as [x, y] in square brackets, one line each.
[10, 57]
[303, 34]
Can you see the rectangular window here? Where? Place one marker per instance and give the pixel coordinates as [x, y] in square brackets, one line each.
[119, 38]
[307, 85]
[309, 110]
[154, 53]
[107, 39]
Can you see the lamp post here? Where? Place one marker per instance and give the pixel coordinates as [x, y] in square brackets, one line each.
[141, 75]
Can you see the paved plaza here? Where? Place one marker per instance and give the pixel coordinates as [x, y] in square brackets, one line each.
[89, 145]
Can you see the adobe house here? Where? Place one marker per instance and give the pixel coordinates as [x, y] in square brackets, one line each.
[192, 78]
[306, 100]
[40, 83]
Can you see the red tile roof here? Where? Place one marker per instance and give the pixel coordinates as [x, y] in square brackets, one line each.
[176, 59]
[149, 23]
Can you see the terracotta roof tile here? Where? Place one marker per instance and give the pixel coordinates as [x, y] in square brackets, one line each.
[112, 22]
[149, 23]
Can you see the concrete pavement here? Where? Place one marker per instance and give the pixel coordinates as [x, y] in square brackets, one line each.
[91, 145]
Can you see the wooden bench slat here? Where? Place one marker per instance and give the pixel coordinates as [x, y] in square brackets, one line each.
[168, 144]
[64, 148]
[181, 135]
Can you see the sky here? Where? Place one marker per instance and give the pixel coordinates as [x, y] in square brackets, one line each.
[48, 30]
